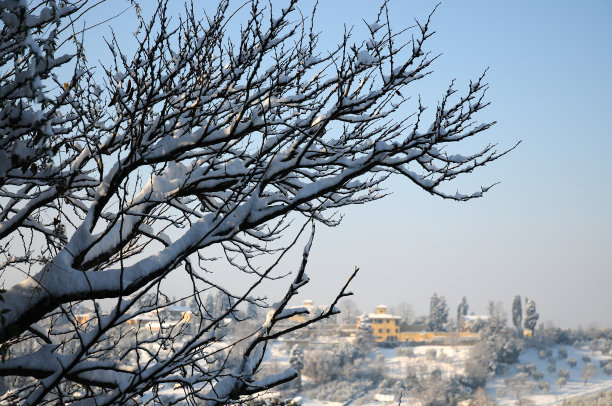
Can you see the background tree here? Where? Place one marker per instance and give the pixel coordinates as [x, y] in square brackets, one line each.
[588, 372]
[321, 366]
[480, 365]
[252, 311]
[520, 386]
[364, 337]
[517, 315]
[350, 311]
[224, 304]
[497, 317]
[481, 398]
[438, 312]
[208, 305]
[531, 315]
[192, 155]
[296, 361]
[405, 311]
[462, 310]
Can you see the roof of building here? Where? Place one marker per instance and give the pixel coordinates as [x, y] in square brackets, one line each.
[382, 316]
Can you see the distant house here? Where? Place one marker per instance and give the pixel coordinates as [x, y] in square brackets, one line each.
[312, 311]
[180, 313]
[385, 326]
[167, 317]
[149, 319]
[81, 313]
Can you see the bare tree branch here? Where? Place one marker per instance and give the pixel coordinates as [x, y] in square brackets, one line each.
[200, 148]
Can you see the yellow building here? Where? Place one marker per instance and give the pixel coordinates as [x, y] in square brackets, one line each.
[385, 326]
[439, 337]
[302, 317]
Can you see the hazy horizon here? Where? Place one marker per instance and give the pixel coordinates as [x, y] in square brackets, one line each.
[543, 232]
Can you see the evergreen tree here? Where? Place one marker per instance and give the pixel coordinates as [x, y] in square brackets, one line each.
[517, 315]
[296, 360]
[443, 313]
[365, 324]
[433, 306]
[438, 312]
[365, 332]
[462, 310]
[531, 315]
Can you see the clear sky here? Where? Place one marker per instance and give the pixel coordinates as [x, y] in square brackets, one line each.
[544, 231]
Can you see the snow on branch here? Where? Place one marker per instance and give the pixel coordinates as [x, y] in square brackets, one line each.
[200, 147]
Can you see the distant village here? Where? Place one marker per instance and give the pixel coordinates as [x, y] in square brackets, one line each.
[385, 328]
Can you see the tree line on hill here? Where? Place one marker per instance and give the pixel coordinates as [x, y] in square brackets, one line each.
[438, 318]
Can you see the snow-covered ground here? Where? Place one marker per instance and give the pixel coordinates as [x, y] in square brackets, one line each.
[574, 386]
[450, 360]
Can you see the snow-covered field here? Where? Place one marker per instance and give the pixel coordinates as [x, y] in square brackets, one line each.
[450, 360]
[543, 369]
[574, 385]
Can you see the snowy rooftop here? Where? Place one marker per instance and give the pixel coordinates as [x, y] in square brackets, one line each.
[382, 316]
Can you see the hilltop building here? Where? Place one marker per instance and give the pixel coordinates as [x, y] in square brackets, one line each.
[385, 326]
[312, 311]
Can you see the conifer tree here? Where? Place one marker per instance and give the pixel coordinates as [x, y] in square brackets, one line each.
[296, 361]
[438, 312]
[517, 315]
[531, 315]
[462, 310]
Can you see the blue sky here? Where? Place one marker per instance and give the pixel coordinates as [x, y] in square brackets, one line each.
[544, 231]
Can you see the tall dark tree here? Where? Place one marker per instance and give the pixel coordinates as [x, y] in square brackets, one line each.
[296, 361]
[117, 178]
[531, 315]
[462, 310]
[517, 315]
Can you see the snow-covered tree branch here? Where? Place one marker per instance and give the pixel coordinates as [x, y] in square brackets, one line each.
[118, 175]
